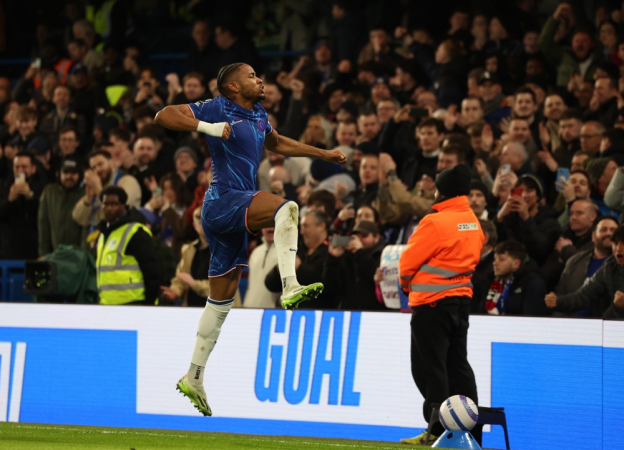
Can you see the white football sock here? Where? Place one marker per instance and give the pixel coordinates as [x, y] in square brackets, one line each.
[208, 331]
[285, 237]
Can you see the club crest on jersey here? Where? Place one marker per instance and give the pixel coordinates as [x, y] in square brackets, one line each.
[261, 125]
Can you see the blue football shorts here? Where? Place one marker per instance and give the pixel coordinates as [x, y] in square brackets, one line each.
[224, 220]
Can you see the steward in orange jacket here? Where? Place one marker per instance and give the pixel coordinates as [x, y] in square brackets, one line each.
[442, 254]
[436, 268]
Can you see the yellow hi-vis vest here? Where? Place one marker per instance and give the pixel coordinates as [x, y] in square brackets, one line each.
[119, 277]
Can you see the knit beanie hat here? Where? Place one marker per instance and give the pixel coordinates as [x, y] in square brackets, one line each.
[454, 182]
[595, 168]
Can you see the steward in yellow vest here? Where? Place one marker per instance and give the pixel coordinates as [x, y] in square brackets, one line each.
[128, 270]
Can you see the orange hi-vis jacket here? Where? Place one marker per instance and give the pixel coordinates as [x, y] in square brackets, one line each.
[442, 254]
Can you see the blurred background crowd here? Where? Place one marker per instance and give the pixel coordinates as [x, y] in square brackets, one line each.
[527, 93]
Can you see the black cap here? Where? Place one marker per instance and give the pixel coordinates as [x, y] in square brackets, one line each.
[480, 186]
[70, 165]
[38, 146]
[488, 76]
[532, 182]
[365, 227]
[454, 182]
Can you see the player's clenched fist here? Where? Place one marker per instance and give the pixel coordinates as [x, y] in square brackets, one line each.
[227, 130]
[335, 156]
[551, 300]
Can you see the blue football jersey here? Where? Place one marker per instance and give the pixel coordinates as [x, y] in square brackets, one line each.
[235, 161]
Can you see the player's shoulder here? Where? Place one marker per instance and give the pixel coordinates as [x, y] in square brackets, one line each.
[258, 108]
[209, 101]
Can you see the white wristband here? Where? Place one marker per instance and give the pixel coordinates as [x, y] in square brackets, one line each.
[211, 129]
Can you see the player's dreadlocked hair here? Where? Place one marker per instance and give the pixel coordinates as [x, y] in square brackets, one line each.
[223, 77]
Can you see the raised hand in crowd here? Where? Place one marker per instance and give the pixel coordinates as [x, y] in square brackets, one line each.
[186, 278]
[618, 300]
[92, 180]
[551, 300]
[487, 138]
[354, 245]
[508, 179]
[336, 252]
[519, 205]
[347, 212]
[212, 87]
[482, 168]
[345, 66]
[403, 114]
[297, 87]
[564, 12]
[567, 189]
[19, 187]
[547, 159]
[168, 293]
[173, 86]
[544, 134]
[151, 183]
[379, 275]
[562, 243]
[451, 117]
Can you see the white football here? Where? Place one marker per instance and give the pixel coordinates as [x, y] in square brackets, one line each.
[459, 413]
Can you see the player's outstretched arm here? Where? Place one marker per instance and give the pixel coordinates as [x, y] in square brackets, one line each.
[180, 118]
[289, 147]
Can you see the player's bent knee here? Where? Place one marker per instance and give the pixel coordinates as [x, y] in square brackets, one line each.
[288, 214]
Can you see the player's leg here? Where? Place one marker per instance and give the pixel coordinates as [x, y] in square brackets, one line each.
[267, 210]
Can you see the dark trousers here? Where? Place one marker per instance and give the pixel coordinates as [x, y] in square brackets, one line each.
[439, 357]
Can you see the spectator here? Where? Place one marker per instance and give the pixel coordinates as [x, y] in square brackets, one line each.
[484, 272]
[101, 174]
[298, 168]
[491, 92]
[232, 48]
[68, 142]
[591, 137]
[191, 281]
[186, 165]
[581, 267]
[148, 91]
[193, 88]
[281, 183]
[121, 155]
[143, 115]
[582, 57]
[524, 219]
[83, 30]
[169, 203]
[603, 292]
[200, 57]
[369, 127]
[135, 277]
[614, 196]
[471, 111]
[612, 145]
[605, 99]
[386, 109]
[366, 192]
[19, 201]
[554, 106]
[323, 201]
[517, 288]
[41, 149]
[358, 262]
[576, 187]
[63, 114]
[262, 261]
[525, 107]
[379, 50]
[601, 171]
[56, 204]
[516, 156]
[479, 199]
[25, 122]
[579, 160]
[311, 258]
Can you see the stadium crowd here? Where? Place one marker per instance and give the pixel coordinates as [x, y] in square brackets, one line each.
[530, 100]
